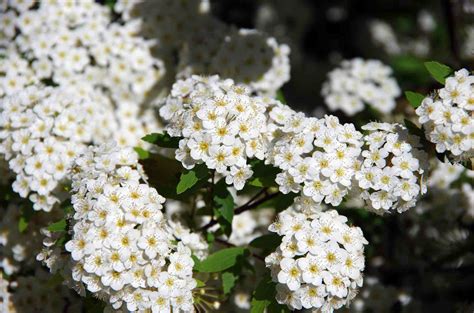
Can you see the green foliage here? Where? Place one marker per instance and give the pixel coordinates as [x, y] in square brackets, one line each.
[220, 260]
[438, 71]
[22, 224]
[414, 98]
[162, 140]
[263, 175]
[142, 153]
[223, 206]
[58, 226]
[280, 96]
[267, 242]
[263, 297]
[191, 178]
[228, 281]
[25, 217]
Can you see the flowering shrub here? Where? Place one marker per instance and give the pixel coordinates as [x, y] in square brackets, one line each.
[150, 160]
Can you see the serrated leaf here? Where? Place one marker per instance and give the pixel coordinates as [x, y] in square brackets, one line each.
[191, 177]
[59, 226]
[267, 241]
[142, 153]
[438, 71]
[163, 140]
[228, 281]
[220, 260]
[414, 98]
[22, 224]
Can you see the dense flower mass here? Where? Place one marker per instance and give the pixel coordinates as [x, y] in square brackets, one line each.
[208, 46]
[391, 173]
[222, 125]
[320, 261]
[357, 82]
[121, 247]
[447, 116]
[41, 131]
[317, 156]
[73, 42]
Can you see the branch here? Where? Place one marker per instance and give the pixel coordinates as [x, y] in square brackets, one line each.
[248, 206]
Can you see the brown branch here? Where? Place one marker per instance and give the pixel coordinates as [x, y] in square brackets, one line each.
[248, 206]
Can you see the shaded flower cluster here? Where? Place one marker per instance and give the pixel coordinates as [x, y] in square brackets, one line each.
[358, 82]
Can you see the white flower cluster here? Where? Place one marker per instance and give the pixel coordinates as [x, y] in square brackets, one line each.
[221, 125]
[250, 225]
[36, 293]
[246, 56]
[384, 36]
[320, 261]
[317, 156]
[41, 131]
[391, 172]
[447, 117]
[121, 247]
[443, 174]
[73, 42]
[357, 82]
[209, 46]
[134, 124]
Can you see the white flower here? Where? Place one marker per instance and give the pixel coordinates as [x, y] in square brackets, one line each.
[319, 265]
[357, 82]
[394, 185]
[122, 247]
[446, 120]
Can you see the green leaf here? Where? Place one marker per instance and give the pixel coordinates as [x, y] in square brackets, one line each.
[199, 283]
[220, 260]
[263, 295]
[267, 241]
[280, 96]
[162, 140]
[438, 71]
[263, 175]
[142, 153]
[414, 98]
[223, 200]
[59, 226]
[22, 224]
[228, 281]
[191, 177]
